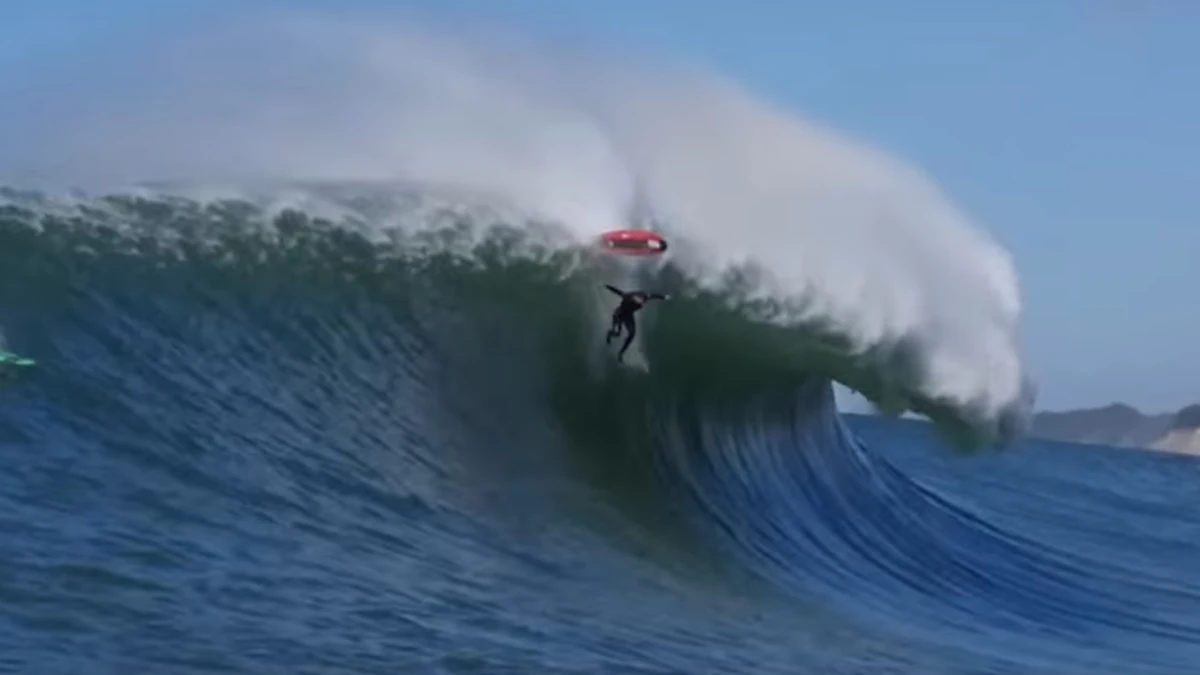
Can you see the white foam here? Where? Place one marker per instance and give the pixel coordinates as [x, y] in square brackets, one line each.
[870, 241]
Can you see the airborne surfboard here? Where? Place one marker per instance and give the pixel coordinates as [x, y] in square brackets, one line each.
[633, 243]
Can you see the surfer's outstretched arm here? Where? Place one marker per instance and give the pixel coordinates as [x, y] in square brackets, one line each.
[616, 290]
[658, 296]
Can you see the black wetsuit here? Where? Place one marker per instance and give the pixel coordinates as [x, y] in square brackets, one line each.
[623, 315]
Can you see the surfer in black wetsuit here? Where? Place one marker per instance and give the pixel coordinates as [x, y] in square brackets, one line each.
[623, 315]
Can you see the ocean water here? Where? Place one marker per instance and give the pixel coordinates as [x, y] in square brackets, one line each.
[322, 385]
[260, 441]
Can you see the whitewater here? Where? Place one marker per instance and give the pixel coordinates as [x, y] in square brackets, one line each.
[323, 385]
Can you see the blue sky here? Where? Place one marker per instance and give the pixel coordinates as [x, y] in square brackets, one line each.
[1068, 129]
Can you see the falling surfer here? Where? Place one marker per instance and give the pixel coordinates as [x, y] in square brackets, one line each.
[623, 316]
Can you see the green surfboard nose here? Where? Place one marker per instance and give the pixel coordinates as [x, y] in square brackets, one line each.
[10, 359]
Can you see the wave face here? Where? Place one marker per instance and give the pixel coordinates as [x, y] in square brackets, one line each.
[264, 439]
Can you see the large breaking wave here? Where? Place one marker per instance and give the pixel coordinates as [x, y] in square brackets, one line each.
[820, 231]
[264, 361]
[356, 232]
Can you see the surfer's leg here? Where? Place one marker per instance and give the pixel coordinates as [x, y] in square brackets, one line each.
[613, 331]
[631, 330]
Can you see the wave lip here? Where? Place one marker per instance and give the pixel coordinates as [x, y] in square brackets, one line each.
[726, 322]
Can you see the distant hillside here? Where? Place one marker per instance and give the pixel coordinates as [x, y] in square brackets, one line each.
[1184, 434]
[1121, 425]
[1188, 418]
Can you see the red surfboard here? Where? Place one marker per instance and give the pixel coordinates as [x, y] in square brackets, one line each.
[633, 242]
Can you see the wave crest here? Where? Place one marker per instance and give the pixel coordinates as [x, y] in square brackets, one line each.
[722, 338]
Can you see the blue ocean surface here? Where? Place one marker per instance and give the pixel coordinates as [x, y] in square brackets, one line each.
[262, 443]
